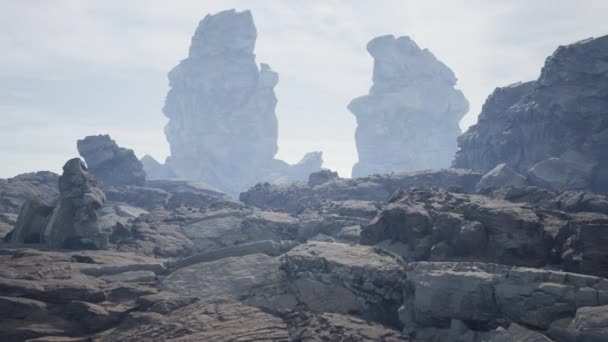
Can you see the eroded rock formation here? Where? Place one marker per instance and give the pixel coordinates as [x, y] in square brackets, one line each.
[222, 126]
[75, 221]
[109, 163]
[554, 129]
[409, 120]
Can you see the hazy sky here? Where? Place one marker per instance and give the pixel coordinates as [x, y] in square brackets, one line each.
[74, 68]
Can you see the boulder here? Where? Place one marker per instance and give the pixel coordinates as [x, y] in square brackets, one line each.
[109, 163]
[501, 175]
[487, 296]
[409, 119]
[75, 221]
[32, 222]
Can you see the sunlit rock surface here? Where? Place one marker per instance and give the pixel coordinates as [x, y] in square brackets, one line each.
[409, 119]
[222, 126]
[553, 129]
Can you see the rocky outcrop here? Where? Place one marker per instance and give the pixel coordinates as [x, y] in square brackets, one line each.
[109, 163]
[431, 224]
[467, 301]
[31, 223]
[409, 120]
[75, 221]
[296, 197]
[222, 127]
[342, 278]
[554, 128]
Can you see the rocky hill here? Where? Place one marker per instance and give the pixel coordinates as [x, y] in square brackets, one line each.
[553, 130]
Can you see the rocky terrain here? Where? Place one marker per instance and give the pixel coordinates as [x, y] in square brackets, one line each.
[553, 130]
[409, 119]
[414, 256]
[110, 164]
[492, 253]
[222, 126]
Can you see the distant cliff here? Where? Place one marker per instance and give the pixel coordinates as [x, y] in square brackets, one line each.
[222, 125]
[409, 119]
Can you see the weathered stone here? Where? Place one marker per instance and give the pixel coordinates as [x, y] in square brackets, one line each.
[474, 226]
[220, 321]
[323, 176]
[222, 127]
[155, 170]
[31, 224]
[555, 125]
[501, 175]
[109, 163]
[341, 278]
[487, 295]
[232, 277]
[516, 332]
[409, 120]
[309, 327]
[74, 222]
[14, 192]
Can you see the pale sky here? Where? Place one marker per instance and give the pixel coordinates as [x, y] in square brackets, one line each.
[71, 68]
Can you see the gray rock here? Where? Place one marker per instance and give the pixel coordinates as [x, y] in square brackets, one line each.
[31, 223]
[516, 332]
[305, 326]
[437, 225]
[560, 115]
[14, 192]
[131, 277]
[217, 229]
[155, 170]
[296, 197]
[488, 295]
[561, 174]
[268, 247]
[473, 226]
[109, 163]
[590, 324]
[75, 221]
[232, 277]
[323, 176]
[409, 120]
[220, 320]
[335, 277]
[222, 127]
[501, 175]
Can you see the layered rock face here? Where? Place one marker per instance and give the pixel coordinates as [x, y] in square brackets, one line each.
[222, 127]
[109, 163]
[554, 129]
[409, 120]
